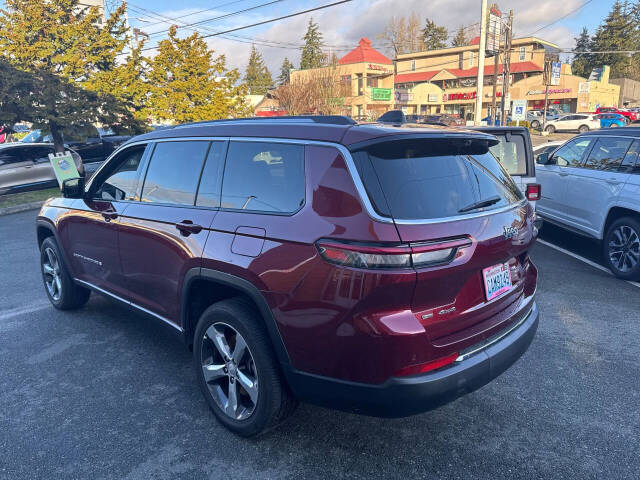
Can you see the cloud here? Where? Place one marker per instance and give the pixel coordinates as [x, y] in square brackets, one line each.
[342, 26]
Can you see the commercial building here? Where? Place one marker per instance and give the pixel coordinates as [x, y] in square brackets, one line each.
[444, 81]
[629, 92]
[366, 77]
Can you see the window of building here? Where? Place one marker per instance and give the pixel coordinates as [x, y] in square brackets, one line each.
[174, 172]
[360, 84]
[264, 177]
[523, 54]
[345, 80]
[472, 59]
[372, 82]
[413, 65]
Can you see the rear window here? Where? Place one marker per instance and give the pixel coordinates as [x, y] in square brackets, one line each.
[512, 154]
[430, 179]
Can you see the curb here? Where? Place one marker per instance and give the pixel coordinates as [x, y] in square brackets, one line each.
[21, 208]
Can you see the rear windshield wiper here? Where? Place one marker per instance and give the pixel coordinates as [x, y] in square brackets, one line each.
[482, 203]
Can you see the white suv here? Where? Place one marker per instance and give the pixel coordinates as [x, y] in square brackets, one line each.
[591, 185]
[581, 122]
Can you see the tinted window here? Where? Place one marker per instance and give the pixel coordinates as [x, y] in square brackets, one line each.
[37, 154]
[512, 155]
[570, 155]
[9, 156]
[394, 116]
[428, 179]
[607, 153]
[174, 171]
[209, 190]
[122, 183]
[267, 177]
[630, 163]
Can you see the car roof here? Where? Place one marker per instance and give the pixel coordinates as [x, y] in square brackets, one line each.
[615, 132]
[332, 129]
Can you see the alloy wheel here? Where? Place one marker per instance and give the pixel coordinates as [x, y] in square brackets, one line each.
[624, 248]
[229, 371]
[52, 274]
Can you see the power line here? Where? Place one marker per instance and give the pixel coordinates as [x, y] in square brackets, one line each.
[192, 13]
[302, 12]
[562, 18]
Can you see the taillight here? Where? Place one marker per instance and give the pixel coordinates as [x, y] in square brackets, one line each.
[428, 366]
[396, 256]
[534, 192]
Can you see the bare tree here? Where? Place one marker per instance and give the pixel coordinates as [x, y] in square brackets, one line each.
[316, 92]
[403, 34]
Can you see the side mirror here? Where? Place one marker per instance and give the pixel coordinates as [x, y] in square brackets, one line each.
[73, 188]
[543, 159]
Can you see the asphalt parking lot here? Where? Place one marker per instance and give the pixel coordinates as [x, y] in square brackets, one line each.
[103, 393]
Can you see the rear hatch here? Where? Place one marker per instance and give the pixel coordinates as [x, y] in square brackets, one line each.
[452, 200]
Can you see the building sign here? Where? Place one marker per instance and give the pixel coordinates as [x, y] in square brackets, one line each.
[432, 98]
[403, 96]
[556, 69]
[519, 110]
[379, 68]
[380, 94]
[494, 30]
[584, 87]
[448, 97]
[552, 91]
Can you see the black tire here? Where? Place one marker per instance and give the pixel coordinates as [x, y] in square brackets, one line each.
[535, 124]
[66, 294]
[274, 400]
[583, 129]
[619, 230]
[550, 129]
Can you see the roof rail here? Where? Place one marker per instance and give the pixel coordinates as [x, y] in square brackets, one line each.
[326, 119]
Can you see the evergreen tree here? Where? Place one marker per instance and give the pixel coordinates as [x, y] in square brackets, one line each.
[257, 76]
[58, 50]
[285, 72]
[312, 54]
[434, 37]
[460, 40]
[188, 83]
[581, 64]
[613, 34]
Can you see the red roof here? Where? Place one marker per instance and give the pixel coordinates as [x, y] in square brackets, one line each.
[475, 41]
[364, 52]
[415, 77]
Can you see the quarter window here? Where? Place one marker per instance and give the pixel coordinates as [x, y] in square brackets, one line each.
[174, 172]
[265, 177]
[607, 154]
[570, 155]
[122, 183]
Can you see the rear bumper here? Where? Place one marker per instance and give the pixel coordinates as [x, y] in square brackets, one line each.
[399, 397]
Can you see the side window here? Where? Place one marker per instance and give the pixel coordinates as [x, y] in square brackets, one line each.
[570, 155]
[174, 171]
[37, 154]
[8, 157]
[209, 190]
[607, 154]
[265, 177]
[121, 183]
[630, 162]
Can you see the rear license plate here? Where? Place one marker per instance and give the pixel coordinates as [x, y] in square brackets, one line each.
[497, 280]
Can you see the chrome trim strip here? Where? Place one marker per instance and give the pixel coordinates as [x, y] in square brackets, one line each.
[351, 166]
[101, 290]
[466, 355]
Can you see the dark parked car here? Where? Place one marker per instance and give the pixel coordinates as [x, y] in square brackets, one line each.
[27, 167]
[378, 270]
[398, 117]
[94, 145]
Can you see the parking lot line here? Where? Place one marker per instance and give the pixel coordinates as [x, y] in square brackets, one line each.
[7, 314]
[582, 259]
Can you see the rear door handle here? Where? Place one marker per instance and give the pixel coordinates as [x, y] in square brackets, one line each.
[187, 227]
[613, 181]
[109, 215]
[563, 174]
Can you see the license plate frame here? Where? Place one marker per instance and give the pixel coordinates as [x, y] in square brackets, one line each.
[497, 280]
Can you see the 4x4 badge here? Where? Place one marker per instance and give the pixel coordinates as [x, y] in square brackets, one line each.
[510, 232]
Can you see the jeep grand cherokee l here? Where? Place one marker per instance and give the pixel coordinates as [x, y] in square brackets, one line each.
[377, 270]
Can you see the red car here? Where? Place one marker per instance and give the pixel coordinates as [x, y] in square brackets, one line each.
[631, 116]
[379, 270]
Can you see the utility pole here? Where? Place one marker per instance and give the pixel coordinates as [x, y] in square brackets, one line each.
[546, 75]
[481, 54]
[506, 69]
[126, 25]
[496, 63]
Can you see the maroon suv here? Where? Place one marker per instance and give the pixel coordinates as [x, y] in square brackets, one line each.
[373, 269]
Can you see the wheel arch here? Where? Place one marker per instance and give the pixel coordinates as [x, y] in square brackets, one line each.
[614, 214]
[203, 287]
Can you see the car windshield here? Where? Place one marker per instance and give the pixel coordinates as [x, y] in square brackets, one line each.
[427, 179]
[36, 136]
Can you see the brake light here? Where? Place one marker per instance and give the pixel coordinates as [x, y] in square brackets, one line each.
[396, 256]
[534, 191]
[428, 366]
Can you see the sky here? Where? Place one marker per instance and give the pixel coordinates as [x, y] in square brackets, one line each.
[343, 25]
